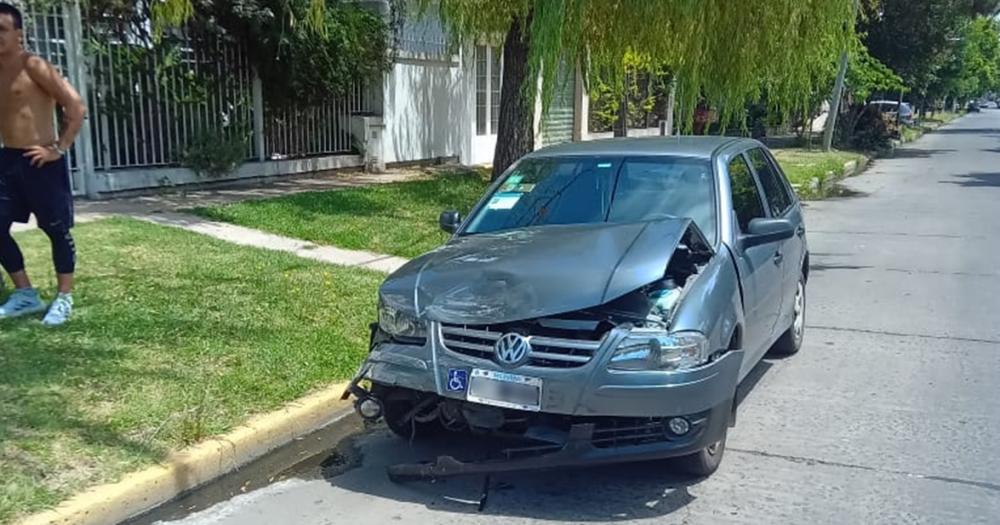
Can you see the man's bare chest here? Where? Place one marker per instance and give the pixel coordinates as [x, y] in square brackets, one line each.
[17, 90]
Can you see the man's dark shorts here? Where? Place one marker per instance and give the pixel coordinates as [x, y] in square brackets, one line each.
[25, 189]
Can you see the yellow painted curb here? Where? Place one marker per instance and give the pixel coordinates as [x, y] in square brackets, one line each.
[196, 465]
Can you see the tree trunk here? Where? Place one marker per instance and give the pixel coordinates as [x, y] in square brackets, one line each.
[516, 126]
[621, 128]
[809, 133]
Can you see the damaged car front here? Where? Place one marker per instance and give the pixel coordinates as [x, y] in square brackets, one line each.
[584, 313]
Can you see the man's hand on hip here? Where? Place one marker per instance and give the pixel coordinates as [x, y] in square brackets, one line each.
[42, 155]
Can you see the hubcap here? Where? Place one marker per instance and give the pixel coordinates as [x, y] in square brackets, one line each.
[798, 327]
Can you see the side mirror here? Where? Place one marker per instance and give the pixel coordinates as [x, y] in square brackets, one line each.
[450, 221]
[766, 231]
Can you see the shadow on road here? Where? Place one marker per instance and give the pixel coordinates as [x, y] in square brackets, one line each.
[918, 153]
[968, 131]
[609, 493]
[976, 180]
[841, 192]
[816, 268]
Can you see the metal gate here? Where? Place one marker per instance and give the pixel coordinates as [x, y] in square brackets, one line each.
[55, 34]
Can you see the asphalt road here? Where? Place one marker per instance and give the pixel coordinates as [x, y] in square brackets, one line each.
[888, 415]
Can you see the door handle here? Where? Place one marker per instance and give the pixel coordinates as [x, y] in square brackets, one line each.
[778, 257]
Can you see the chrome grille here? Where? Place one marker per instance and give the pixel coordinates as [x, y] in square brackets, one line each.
[548, 352]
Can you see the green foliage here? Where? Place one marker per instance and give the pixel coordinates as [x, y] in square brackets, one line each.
[216, 151]
[867, 75]
[305, 51]
[922, 41]
[862, 128]
[338, 44]
[980, 59]
[644, 87]
[722, 51]
[169, 13]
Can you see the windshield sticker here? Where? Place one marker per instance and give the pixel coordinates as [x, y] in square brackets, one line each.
[512, 183]
[503, 201]
[604, 165]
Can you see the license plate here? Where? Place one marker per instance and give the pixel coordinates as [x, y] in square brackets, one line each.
[505, 390]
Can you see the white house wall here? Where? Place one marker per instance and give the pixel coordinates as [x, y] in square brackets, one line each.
[425, 106]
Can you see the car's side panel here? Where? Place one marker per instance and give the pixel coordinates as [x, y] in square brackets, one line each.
[712, 303]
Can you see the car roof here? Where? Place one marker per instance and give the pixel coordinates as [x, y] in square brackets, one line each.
[677, 146]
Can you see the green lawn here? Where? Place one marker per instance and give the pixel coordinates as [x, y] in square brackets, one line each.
[176, 337]
[941, 117]
[802, 166]
[397, 218]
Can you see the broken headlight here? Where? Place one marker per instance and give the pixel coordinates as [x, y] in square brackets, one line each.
[645, 349]
[400, 324]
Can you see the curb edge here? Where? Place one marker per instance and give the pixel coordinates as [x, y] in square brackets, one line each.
[191, 467]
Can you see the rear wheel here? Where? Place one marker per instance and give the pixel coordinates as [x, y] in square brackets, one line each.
[791, 341]
[704, 462]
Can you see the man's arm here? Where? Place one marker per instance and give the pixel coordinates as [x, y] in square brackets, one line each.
[74, 111]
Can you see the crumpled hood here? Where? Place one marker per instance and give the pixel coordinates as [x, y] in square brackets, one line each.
[533, 272]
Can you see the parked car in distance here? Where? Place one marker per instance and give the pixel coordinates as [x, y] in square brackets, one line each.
[601, 303]
[888, 109]
[972, 107]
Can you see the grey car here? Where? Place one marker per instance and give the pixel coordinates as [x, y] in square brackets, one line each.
[600, 304]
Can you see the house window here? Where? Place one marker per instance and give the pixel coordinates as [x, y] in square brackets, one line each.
[488, 81]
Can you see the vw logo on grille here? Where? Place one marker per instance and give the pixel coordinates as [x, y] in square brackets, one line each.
[512, 349]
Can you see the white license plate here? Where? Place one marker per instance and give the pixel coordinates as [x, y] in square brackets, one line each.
[505, 390]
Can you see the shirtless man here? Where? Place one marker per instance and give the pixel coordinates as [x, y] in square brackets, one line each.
[34, 176]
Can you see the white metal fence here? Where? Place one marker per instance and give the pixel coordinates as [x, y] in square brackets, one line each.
[147, 105]
[146, 112]
[316, 130]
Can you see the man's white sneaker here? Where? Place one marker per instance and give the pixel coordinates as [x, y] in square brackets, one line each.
[60, 310]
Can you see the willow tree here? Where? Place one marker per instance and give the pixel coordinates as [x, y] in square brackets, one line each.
[722, 53]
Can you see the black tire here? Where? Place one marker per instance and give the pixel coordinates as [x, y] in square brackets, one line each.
[396, 404]
[704, 462]
[790, 342]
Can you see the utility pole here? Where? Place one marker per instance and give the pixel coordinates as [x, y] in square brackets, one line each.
[838, 91]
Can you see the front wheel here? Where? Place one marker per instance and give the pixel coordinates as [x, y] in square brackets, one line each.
[704, 462]
[791, 341]
[398, 407]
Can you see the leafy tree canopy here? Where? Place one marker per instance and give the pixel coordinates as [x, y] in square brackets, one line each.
[722, 51]
[921, 39]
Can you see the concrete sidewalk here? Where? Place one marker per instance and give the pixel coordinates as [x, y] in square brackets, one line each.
[259, 239]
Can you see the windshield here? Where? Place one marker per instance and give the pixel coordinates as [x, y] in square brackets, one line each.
[581, 190]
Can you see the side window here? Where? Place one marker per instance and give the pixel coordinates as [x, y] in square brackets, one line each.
[746, 198]
[778, 198]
